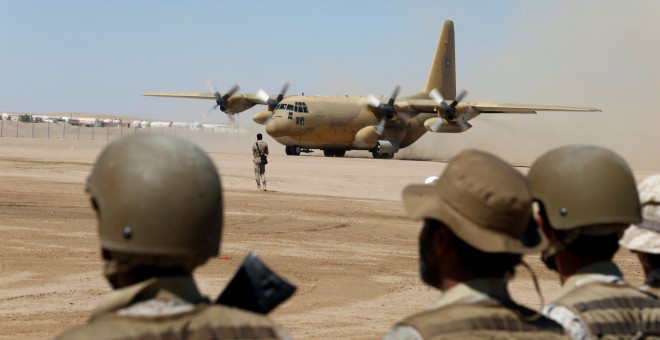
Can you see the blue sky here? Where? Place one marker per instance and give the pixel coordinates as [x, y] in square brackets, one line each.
[91, 56]
[99, 57]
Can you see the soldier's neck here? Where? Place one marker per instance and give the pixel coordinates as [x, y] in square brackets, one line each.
[568, 264]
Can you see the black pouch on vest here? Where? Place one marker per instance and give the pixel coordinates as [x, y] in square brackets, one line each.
[255, 287]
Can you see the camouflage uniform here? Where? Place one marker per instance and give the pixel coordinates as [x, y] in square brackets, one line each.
[644, 238]
[170, 308]
[478, 308]
[258, 149]
[587, 196]
[485, 204]
[597, 302]
[652, 283]
[159, 205]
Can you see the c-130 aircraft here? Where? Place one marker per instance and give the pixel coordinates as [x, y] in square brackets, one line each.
[339, 124]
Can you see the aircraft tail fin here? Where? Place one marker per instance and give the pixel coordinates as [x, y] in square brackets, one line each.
[443, 70]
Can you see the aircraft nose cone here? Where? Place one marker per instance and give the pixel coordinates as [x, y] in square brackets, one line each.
[277, 127]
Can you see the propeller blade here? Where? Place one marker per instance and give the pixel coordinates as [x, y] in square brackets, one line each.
[373, 101]
[210, 83]
[395, 93]
[435, 95]
[285, 88]
[459, 98]
[263, 96]
[436, 126]
[380, 128]
[463, 124]
[231, 92]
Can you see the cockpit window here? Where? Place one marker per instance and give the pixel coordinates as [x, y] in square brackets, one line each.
[289, 107]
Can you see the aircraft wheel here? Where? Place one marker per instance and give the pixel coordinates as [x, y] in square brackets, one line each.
[328, 153]
[340, 153]
[287, 150]
[295, 150]
[376, 154]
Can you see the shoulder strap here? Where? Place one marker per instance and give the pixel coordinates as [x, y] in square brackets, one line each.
[258, 149]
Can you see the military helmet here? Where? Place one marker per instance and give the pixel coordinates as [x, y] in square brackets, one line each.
[157, 196]
[586, 187]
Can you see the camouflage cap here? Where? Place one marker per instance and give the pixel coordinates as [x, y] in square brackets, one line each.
[483, 200]
[645, 236]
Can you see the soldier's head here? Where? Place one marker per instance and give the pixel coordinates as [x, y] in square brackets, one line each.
[587, 196]
[644, 238]
[475, 216]
[158, 200]
[259, 136]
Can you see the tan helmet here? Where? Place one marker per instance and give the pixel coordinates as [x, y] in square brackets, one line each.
[586, 187]
[157, 196]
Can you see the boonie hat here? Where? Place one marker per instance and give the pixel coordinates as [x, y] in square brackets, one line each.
[483, 200]
[645, 236]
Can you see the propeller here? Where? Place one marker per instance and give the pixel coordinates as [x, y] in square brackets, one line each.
[263, 96]
[221, 100]
[388, 108]
[449, 110]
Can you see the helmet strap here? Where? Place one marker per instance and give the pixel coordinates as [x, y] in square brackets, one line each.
[560, 245]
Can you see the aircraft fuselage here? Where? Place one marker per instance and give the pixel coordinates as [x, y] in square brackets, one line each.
[319, 122]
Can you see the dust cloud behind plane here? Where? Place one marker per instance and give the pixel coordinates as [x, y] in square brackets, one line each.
[603, 54]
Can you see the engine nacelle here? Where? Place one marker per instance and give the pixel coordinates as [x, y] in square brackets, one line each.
[446, 126]
[261, 117]
[387, 146]
[366, 138]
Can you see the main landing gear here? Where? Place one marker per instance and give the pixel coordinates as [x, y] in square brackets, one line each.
[334, 152]
[293, 150]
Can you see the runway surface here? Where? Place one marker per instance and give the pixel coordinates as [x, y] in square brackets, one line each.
[335, 227]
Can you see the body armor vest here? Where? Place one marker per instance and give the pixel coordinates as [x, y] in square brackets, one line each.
[488, 319]
[614, 310]
[203, 322]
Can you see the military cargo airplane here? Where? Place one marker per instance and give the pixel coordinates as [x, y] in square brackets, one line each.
[338, 124]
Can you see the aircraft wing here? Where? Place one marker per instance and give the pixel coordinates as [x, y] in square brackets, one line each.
[525, 108]
[419, 105]
[229, 104]
[204, 95]
[207, 95]
[429, 105]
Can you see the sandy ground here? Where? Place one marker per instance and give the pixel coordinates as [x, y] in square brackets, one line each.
[334, 227]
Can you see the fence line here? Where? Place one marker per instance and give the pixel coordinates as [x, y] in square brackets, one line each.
[65, 131]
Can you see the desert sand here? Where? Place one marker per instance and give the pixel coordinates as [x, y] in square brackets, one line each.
[335, 227]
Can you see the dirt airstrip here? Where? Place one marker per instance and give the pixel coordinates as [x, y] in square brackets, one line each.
[334, 227]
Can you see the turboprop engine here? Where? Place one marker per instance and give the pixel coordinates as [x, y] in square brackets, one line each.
[262, 117]
[366, 138]
[443, 125]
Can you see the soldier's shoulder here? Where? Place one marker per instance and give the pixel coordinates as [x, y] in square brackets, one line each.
[603, 291]
[207, 319]
[484, 319]
[236, 315]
